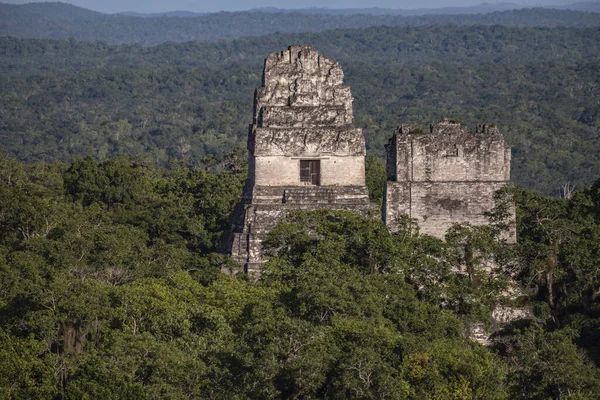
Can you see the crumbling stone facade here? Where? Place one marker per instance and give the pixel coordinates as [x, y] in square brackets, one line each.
[449, 175]
[304, 150]
[445, 175]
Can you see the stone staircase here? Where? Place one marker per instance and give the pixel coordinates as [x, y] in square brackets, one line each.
[257, 219]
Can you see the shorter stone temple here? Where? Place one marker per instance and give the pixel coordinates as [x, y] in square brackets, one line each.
[445, 175]
[304, 151]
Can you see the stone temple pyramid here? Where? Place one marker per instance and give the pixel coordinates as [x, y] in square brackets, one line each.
[304, 151]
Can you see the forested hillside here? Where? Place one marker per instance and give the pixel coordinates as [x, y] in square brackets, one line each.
[483, 8]
[121, 165]
[63, 21]
[109, 289]
[64, 99]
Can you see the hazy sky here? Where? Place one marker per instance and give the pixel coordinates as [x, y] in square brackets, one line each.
[149, 6]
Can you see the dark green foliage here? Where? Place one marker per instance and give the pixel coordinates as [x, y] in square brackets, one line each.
[68, 99]
[375, 177]
[344, 272]
[558, 245]
[535, 355]
[558, 258]
[342, 237]
[108, 290]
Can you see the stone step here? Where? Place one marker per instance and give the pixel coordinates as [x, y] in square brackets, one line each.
[322, 195]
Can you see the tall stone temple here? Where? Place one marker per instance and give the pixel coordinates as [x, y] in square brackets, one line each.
[304, 151]
[445, 175]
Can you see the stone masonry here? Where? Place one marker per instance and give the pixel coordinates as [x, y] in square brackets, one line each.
[449, 175]
[444, 176]
[304, 151]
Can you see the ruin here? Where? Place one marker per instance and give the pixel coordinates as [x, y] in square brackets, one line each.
[304, 150]
[305, 153]
[444, 176]
[449, 175]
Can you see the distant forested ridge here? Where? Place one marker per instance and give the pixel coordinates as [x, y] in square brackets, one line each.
[586, 6]
[63, 21]
[64, 99]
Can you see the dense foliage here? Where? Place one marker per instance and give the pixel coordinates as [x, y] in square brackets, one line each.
[124, 164]
[110, 289]
[63, 21]
[64, 99]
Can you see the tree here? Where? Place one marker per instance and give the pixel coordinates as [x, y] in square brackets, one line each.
[375, 177]
[544, 365]
[339, 236]
[544, 231]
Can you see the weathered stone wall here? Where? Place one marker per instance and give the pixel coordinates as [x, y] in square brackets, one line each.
[437, 205]
[303, 141]
[444, 176]
[450, 153]
[335, 170]
[396, 202]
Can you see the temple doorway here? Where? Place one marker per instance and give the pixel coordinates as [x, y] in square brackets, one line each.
[310, 172]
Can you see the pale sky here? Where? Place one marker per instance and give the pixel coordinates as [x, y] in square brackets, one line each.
[151, 6]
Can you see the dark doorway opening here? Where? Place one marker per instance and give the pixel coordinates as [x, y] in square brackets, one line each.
[310, 172]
